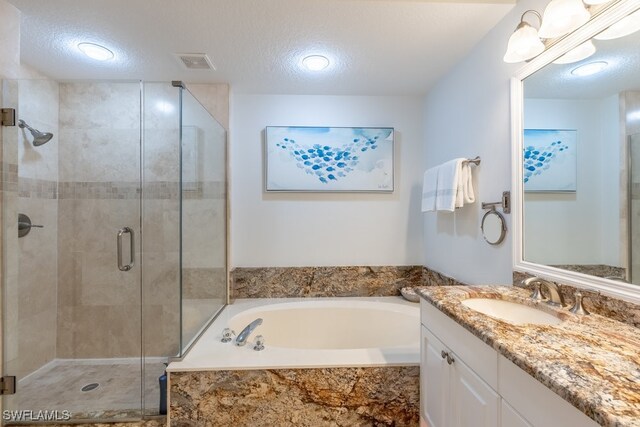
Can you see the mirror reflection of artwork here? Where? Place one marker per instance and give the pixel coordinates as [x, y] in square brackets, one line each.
[549, 160]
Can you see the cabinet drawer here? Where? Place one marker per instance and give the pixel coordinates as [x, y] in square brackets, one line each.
[481, 358]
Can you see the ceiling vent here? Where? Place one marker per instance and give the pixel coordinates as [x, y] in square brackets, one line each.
[195, 61]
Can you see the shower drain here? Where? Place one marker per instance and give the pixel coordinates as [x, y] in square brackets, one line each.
[90, 387]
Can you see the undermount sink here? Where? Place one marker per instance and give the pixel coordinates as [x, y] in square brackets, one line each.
[512, 312]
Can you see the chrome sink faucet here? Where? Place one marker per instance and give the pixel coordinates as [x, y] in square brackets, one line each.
[242, 337]
[555, 298]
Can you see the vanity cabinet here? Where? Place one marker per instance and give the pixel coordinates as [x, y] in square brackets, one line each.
[452, 394]
[466, 383]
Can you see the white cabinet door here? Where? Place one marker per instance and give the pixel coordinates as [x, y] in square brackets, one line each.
[473, 402]
[510, 418]
[434, 381]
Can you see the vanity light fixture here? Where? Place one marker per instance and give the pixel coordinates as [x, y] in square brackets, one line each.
[595, 2]
[524, 43]
[95, 51]
[589, 69]
[315, 62]
[624, 27]
[578, 53]
[561, 17]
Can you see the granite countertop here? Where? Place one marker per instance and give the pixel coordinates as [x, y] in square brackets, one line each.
[591, 361]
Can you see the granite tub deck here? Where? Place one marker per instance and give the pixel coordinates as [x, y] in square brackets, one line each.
[592, 362]
[296, 397]
[289, 383]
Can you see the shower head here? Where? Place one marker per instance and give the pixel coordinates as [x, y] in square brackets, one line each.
[39, 138]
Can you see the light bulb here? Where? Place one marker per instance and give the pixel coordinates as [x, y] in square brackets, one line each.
[523, 44]
[578, 53]
[562, 17]
[315, 62]
[95, 51]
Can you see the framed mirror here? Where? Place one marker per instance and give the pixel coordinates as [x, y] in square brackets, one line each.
[576, 158]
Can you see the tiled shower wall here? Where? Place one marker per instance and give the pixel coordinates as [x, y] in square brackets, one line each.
[98, 305]
[67, 297]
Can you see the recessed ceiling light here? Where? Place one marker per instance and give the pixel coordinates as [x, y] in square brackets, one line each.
[589, 69]
[95, 51]
[315, 62]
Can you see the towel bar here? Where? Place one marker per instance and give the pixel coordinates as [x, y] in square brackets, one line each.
[475, 161]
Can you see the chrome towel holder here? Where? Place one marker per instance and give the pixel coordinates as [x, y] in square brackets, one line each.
[475, 160]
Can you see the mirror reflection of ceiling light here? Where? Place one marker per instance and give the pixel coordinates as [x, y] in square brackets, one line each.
[633, 116]
[524, 43]
[561, 17]
[627, 25]
[578, 53]
[589, 69]
[315, 62]
[95, 51]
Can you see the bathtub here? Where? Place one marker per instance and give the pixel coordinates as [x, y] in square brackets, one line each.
[312, 333]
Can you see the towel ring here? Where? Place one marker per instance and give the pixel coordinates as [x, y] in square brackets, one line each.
[494, 227]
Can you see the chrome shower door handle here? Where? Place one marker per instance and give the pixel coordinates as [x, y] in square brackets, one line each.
[121, 232]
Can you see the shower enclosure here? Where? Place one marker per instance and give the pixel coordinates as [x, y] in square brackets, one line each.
[123, 261]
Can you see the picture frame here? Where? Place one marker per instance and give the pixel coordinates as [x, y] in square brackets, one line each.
[550, 160]
[329, 159]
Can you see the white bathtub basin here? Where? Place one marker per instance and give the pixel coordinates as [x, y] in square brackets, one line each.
[312, 333]
[511, 312]
[318, 324]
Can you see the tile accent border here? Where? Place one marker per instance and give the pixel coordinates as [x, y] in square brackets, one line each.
[289, 282]
[296, 397]
[37, 188]
[9, 176]
[161, 190]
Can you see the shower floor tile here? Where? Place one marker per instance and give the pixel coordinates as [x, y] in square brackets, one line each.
[58, 386]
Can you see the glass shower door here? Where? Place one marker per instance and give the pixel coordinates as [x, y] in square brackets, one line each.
[72, 287]
[203, 216]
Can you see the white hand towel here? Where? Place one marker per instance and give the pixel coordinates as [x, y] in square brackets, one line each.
[448, 176]
[465, 185]
[429, 188]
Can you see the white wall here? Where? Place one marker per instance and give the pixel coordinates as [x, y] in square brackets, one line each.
[467, 114]
[580, 227]
[311, 229]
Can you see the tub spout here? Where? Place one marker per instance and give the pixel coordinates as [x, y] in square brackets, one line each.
[242, 337]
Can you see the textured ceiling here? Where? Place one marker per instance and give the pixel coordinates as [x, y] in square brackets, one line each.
[623, 73]
[376, 47]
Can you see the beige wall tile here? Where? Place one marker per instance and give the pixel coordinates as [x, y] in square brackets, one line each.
[99, 155]
[105, 106]
[38, 106]
[215, 98]
[99, 331]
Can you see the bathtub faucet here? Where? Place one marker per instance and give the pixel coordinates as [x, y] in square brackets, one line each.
[241, 339]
